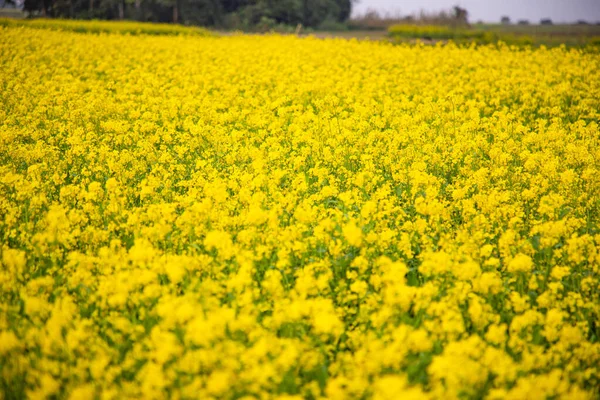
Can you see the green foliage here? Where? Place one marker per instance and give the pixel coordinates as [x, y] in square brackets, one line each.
[332, 25]
[258, 15]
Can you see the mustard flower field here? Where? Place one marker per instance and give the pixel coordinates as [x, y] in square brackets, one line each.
[257, 217]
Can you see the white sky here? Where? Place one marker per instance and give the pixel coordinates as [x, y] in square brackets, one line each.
[492, 10]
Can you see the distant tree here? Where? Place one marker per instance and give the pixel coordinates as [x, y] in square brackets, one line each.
[37, 6]
[222, 13]
[133, 9]
[505, 20]
[461, 15]
[523, 22]
[546, 21]
[345, 8]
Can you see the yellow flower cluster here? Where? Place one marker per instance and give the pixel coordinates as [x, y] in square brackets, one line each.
[96, 26]
[272, 217]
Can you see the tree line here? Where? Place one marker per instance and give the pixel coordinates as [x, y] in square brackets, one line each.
[233, 14]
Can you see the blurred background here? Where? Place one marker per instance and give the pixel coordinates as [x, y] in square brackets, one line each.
[525, 22]
[490, 11]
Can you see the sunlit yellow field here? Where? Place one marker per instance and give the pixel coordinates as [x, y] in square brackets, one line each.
[273, 217]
